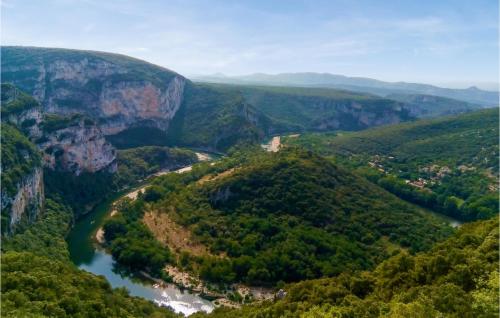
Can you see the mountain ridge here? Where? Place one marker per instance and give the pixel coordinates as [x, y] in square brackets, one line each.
[135, 100]
[363, 84]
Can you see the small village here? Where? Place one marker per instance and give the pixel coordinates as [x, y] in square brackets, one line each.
[428, 175]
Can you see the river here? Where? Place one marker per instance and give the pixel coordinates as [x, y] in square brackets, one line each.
[85, 253]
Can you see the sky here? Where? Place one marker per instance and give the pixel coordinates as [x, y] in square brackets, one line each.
[452, 43]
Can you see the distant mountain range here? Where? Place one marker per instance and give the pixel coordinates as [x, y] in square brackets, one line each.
[360, 84]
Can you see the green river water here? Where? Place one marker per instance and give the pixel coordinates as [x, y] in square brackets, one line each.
[85, 253]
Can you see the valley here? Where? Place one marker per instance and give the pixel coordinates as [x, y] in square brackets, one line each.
[157, 196]
[449, 164]
[92, 257]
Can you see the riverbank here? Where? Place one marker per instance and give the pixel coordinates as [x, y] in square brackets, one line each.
[86, 253]
[180, 241]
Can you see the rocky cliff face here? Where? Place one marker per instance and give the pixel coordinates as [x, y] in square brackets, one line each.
[117, 91]
[21, 110]
[21, 177]
[78, 147]
[130, 104]
[27, 203]
[425, 106]
[69, 143]
[29, 121]
[353, 115]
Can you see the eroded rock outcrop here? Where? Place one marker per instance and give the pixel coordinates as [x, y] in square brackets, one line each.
[27, 203]
[118, 92]
[80, 146]
[69, 143]
[21, 110]
[354, 115]
[21, 177]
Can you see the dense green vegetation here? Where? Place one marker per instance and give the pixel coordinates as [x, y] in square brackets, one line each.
[36, 286]
[53, 122]
[45, 237]
[81, 192]
[301, 109]
[286, 217]
[457, 278]
[215, 118]
[38, 279]
[137, 137]
[132, 244]
[449, 165]
[86, 190]
[19, 157]
[14, 101]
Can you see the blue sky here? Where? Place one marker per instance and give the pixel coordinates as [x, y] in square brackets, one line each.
[451, 43]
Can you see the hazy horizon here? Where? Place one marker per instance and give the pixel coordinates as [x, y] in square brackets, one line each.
[449, 44]
[489, 86]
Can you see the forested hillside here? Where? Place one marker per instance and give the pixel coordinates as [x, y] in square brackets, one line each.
[303, 109]
[457, 278]
[427, 106]
[449, 164]
[277, 217]
[38, 279]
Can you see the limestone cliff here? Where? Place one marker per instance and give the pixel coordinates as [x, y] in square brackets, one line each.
[21, 110]
[117, 91]
[27, 203]
[77, 146]
[355, 115]
[70, 143]
[21, 177]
